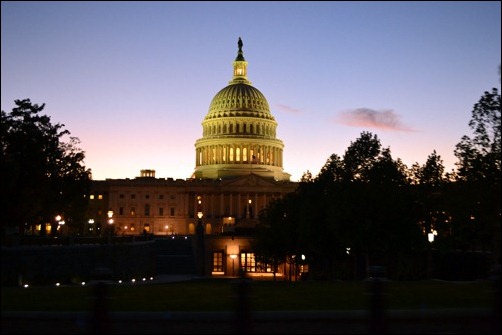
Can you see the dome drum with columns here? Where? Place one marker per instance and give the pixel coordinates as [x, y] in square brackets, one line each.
[239, 133]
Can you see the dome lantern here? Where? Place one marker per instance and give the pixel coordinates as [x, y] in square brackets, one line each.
[240, 67]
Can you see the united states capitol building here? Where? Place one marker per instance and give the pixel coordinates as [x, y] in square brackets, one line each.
[238, 171]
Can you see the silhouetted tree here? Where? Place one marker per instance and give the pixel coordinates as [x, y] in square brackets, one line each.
[480, 157]
[356, 206]
[360, 156]
[42, 175]
[277, 235]
[479, 170]
[377, 220]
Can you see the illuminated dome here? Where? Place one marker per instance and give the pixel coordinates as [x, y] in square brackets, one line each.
[241, 100]
[239, 132]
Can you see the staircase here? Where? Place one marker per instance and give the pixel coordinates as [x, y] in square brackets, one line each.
[175, 255]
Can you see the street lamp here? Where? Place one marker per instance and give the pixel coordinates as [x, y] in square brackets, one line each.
[60, 221]
[200, 240]
[233, 256]
[110, 221]
[91, 225]
[248, 212]
[200, 227]
[199, 213]
[431, 235]
[110, 216]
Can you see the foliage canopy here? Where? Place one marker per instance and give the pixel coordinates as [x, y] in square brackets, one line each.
[42, 175]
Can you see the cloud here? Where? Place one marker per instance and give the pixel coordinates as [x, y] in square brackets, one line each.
[370, 118]
[287, 109]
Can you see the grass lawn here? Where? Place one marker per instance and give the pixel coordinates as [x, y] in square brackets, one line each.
[221, 295]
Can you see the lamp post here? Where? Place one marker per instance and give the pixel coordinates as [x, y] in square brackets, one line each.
[200, 227]
[91, 226]
[248, 211]
[431, 235]
[430, 238]
[110, 222]
[61, 223]
[200, 244]
[233, 257]
[58, 219]
[200, 240]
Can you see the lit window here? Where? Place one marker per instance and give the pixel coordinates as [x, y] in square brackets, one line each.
[217, 261]
[100, 197]
[248, 262]
[91, 197]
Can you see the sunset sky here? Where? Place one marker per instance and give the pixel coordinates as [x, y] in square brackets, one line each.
[134, 80]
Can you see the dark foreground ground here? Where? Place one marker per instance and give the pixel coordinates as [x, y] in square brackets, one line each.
[451, 321]
[243, 320]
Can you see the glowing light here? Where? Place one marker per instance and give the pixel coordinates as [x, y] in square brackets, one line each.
[431, 235]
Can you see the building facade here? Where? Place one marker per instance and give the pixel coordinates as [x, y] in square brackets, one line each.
[238, 171]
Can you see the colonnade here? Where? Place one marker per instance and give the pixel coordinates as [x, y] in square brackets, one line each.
[231, 153]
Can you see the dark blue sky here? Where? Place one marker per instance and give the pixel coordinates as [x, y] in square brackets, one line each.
[134, 80]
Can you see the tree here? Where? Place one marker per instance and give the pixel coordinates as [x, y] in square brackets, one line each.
[430, 186]
[42, 176]
[361, 155]
[479, 171]
[276, 235]
[432, 173]
[480, 157]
